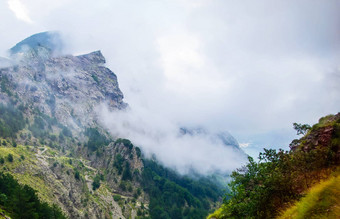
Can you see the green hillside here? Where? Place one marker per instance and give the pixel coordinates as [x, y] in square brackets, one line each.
[265, 188]
[321, 201]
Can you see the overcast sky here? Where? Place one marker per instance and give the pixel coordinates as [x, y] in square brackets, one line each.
[248, 67]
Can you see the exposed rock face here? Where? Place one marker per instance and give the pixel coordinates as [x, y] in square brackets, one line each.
[67, 87]
[321, 136]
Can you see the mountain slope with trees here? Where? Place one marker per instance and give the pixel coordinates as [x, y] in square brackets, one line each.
[265, 188]
[57, 155]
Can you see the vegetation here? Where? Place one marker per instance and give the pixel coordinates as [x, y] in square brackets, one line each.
[11, 120]
[96, 182]
[21, 201]
[118, 163]
[301, 129]
[96, 139]
[261, 189]
[321, 201]
[127, 143]
[5, 85]
[174, 196]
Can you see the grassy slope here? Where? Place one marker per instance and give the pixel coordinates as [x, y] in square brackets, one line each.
[321, 201]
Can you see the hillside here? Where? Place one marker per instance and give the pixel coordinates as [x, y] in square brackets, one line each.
[308, 172]
[52, 144]
[321, 201]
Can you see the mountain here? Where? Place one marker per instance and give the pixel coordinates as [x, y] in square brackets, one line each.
[300, 183]
[38, 46]
[53, 147]
[222, 137]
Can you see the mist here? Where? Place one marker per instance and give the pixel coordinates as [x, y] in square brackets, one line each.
[159, 137]
[250, 68]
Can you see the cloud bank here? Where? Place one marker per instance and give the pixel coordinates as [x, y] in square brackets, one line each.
[157, 136]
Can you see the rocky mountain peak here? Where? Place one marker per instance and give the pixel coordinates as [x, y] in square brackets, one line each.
[39, 46]
[66, 87]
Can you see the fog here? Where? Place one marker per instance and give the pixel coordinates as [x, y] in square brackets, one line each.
[158, 136]
[251, 68]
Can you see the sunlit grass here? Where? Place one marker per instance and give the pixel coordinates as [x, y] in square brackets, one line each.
[321, 201]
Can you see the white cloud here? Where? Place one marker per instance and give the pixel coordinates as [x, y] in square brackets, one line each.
[20, 10]
[160, 136]
[251, 68]
[244, 145]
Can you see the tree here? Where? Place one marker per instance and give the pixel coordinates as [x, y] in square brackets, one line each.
[77, 175]
[10, 157]
[301, 129]
[96, 182]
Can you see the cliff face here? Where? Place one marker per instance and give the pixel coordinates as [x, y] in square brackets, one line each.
[66, 87]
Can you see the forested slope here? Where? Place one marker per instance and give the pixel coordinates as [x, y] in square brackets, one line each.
[265, 188]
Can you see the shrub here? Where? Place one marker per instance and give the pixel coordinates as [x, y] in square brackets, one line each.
[116, 198]
[77, 175]
[96, 182]
[10, 157]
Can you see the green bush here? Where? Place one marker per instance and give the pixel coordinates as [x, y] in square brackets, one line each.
[96, 182]
[10, 157]
[116, 198]
[77, 175]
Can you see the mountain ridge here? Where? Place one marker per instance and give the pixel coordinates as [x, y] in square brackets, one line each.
[49, 127]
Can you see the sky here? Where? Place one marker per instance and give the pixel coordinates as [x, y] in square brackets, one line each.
[251, 68]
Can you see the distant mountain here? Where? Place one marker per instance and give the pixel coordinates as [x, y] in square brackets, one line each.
[224, 138]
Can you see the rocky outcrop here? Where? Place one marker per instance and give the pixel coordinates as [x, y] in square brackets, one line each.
[66, 87]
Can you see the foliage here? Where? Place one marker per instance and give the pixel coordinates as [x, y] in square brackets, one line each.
[321, 201]
[138, 152]
[66, 132]
[118, 163]
[175, 196]
[260, 189]
[5, 85]
[117, 198]
[96, 182]
[38, 127]
[126, 142]
[11, 120]
[301, 129]
[96, 139]
[127, 172]
[10, 158]
[95, 78]
[21, 201]
[76, 175]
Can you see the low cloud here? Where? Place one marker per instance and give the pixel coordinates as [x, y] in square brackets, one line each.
[156, 135]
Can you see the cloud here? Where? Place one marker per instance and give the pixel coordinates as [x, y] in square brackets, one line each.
[251, 68]
[244, 145]
[20, 10]
[158, 136]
